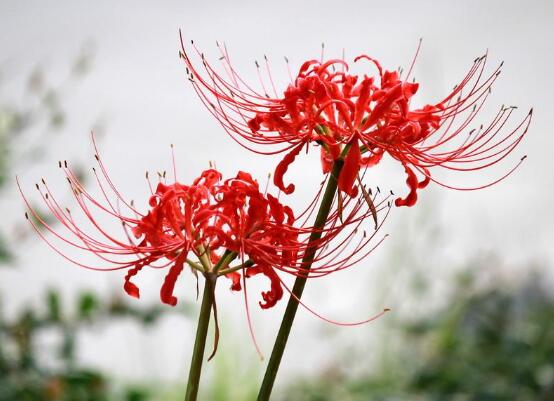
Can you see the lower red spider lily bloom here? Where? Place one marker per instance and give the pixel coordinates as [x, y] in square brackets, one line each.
[359, 119]
[212, 221]
[205, 225]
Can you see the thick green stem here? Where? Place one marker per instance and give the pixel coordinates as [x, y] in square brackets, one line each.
[298, 288]
[200, 342]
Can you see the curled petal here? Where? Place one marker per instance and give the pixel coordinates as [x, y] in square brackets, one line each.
[130, 288]
[246, 177]
[374, 159]
[282, 168]
[372, 60]
[279, 211]
[166, 292]
[275, 293]
[413, 184]
[235, 281]
[426, 180]
[208, 178]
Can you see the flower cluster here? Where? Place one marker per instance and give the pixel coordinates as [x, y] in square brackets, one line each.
[230, 227]
[354, 120]
[358, 119]
[205, 225]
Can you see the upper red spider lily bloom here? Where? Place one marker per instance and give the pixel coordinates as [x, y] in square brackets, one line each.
[359, 119]
[205, 225]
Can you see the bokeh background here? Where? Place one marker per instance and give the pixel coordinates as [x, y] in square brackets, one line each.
[468, 275]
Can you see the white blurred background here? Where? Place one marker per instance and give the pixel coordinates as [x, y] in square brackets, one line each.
[138, 88]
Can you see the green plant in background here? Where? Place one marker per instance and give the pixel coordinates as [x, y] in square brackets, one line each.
[28, 124]
[486, 344]
[28, 372]
[493, 344]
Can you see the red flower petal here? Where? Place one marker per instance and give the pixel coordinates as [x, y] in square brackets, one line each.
[350, 169]
[426, 180]
[413, 184]
[130, 288]
[235, 281]
[282, 168]
[166, 292]
[275, 293]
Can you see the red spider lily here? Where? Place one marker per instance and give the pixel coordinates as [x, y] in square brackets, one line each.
[359, 119]
[206, 226]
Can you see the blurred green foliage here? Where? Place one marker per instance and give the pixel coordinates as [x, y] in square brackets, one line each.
[486, 344]
[5, 254]
[28, 123]
[33, 374]
[41, 108]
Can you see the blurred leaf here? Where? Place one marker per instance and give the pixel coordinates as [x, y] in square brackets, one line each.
[88, 304]
[57, 119]
[137, 394]
[149, 317]
[53, 302]
[5, 254]
[67, 349]
[117, 307]
[50, 99]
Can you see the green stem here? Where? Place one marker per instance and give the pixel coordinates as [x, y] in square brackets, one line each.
[200, 342]
[300, 282]
[228, 270]
[203, 323]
